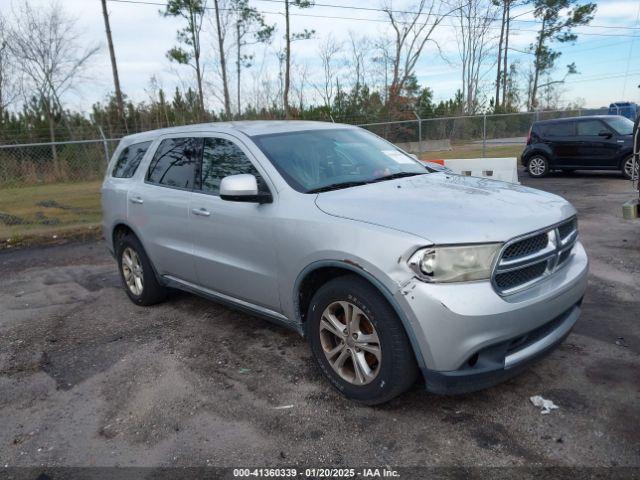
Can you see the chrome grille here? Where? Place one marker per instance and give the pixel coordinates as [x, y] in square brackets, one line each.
[525, 261]
[526, 247]
[520, 276]
[567, 228]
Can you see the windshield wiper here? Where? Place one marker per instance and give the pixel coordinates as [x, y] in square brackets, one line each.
[336, 186]
[396, 175]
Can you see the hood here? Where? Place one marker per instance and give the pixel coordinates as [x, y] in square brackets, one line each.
[446, 208]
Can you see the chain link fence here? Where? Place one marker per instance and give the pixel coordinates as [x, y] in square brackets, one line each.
[59, 162]
[53, 187]
[24, 164]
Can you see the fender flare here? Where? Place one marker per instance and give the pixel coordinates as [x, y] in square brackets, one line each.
[536, 151]
[376, 283]
[121, 221]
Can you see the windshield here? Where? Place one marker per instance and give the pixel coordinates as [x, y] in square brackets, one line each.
[314, 160]
[622, 125]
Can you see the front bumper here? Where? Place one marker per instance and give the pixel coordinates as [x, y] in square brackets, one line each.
[470, 338]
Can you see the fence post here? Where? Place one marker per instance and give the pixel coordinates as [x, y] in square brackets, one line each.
[419, 132]
[484, 135]
[106, 146]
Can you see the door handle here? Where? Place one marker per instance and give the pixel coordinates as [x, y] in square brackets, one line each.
[136, 200]
[202, 212]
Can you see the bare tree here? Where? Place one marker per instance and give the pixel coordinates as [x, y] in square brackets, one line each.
[288, 38]
[52, 56]
[474, 41]
[360, 48]
[496, 98]
[251, 29]
[299, 82]
[327, 52]
[192, 11]
[381, 61]
[114, 65]
[9, 75]
[412, 30]
[505, 56]
[222, 55]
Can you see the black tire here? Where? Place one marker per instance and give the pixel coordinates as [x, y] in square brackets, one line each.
[626, 170]
[397, 369]
[539, 164]
[152, 291]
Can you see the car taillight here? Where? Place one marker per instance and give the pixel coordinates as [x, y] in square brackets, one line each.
[529, 136]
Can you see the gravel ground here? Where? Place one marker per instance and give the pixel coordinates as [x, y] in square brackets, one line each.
[87, 378]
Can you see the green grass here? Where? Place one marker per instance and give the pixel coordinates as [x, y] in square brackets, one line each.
[46, 210]
[474, 151]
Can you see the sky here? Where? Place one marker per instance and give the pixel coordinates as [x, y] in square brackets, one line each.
[607, 53]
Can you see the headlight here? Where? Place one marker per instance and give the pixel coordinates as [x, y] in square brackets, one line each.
[454, 264]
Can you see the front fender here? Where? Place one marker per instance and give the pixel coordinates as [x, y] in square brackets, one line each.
[379, 285]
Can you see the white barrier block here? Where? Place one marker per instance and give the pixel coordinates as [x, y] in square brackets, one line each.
[505, 168]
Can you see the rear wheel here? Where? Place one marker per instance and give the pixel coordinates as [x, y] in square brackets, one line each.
[538, 166]
[358, 341]
[627, 169]
[137, 274]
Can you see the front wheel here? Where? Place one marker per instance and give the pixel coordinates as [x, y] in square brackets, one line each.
[627, 169]
[538, 166]
[359, 342]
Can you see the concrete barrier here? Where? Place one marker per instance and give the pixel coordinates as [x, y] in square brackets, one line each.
[505, 169]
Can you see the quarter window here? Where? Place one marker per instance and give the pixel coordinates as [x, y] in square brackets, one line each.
[560, 129]
[590, 128]
[174, 163]
[221, 158]
[129, 159]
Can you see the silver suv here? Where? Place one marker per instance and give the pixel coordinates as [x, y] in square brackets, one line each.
[389, 268]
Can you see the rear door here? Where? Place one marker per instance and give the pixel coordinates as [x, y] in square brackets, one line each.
[597, 151]
[117, 184]
[159, 205]
[233, 241]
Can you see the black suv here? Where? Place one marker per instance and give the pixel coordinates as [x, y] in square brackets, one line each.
[603, 142]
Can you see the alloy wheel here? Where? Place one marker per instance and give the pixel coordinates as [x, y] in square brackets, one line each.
[132, 271]
[628, 169]
[350, 343]
[537, 166]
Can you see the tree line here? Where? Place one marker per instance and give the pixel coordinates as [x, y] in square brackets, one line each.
[225, 46]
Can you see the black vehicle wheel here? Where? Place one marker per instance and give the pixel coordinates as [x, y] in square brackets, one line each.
[627, 168]
[359, 342]
[136, 272]
[538, 166]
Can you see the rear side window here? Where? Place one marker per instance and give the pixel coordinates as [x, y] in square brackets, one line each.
[221, 158]
[174, 163]
[129, 159]
[560, 129]
[590, 128]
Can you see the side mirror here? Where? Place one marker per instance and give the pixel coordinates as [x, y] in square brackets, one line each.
[242, 188]
[605, 134]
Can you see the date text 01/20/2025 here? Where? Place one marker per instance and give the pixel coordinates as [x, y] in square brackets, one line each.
[316, 472]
